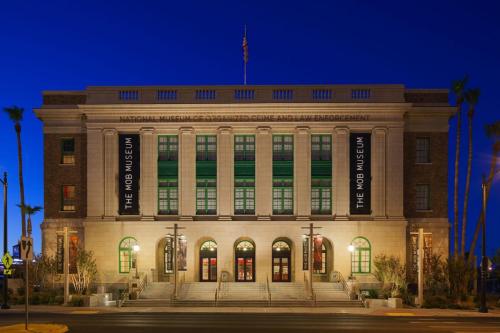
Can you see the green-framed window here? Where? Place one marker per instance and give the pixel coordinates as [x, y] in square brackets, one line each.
[321, 147]
[283, 147]
[168, 148]
[126, 257]
[168, 200]
[68, 151]
[283, 196]
[361, 255]
[244, 148]
[206, 196]
[321, 196]
[206, 148]
[244, 196]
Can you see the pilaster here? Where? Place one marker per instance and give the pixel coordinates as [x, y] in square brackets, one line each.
[302, 172]
[187, 172]
[379, 173]
[95, 173]
[264, 173]
[225, 172]
[148, 189]
[395, 172]
[110, 173]
[341, 173]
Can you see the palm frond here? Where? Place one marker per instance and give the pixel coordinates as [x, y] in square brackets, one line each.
[458, 86]
[493, 130]
[15, 113]
[472, 96]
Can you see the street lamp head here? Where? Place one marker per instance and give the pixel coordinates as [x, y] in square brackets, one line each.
[136, 248]
[350, 248]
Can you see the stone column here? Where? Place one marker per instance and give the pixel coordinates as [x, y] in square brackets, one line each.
[302, 173]
[378, 160]
[225, 171]
[264, 173]
[95, 173]
[110, 173]
[187, 173]
[341, 173]
[395, 172]
[148, 190]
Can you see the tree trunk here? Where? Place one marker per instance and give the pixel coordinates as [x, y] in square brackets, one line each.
[495, 159]
[21, 182]
[467, 184]
[455, 189]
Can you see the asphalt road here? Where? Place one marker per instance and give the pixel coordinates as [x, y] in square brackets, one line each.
[261, 323]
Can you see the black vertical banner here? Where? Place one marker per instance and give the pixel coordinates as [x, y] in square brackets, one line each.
[60, 254]
[129, 173]
[305, 254]
[360, 187]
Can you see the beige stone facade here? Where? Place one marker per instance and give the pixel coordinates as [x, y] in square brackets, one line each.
[393, 115]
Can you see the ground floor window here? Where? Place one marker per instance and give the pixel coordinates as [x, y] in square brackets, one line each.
[245, 261]
[208, 261]
[361, 255]
[281, 253]
[126, 257]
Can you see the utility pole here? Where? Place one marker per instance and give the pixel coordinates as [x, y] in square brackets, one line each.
[65, 233]
[176, 235]
[484, 260]
[5, 304]
[311, 235]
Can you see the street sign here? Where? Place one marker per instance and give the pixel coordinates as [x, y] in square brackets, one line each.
[7, 260]
[26, 248]
[7, 271]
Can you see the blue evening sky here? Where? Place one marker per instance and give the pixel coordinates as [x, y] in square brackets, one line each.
[67, 45]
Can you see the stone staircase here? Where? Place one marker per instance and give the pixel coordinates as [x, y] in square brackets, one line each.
[196, 294]
[155, 294]
[288, 294]
[333, 294]
[243, 294]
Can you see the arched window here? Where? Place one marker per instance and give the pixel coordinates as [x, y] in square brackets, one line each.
[208, 261]
[361, 255]
[126, 260]
[281, 261]
[244, 270]
[244, 246]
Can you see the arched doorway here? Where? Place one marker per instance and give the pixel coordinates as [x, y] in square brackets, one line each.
[208, 261]
[324, 266]
[244, 261]
[282, 269]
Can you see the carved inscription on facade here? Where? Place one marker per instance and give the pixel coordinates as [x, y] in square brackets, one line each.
[243, 118]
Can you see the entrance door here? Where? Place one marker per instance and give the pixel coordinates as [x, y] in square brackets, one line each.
[208, 262]
[244, 262]
[281, 262]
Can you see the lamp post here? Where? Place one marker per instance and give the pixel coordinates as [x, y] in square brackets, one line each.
[351, 249]
[136, 248]
[5, 304]
[484, 262]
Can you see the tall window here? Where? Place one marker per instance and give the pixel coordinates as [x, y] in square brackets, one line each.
[68, 196]
[361, 256]
[423, 148]
[321, 174]
[168, 201]
[422, 197]
[126, 258]
[206, 196]
[282, 174]
[244, 174]
[206, 148]
[68, 151]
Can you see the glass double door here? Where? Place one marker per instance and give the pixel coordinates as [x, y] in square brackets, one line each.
[245, 269]
[208, 267]
[281, 269]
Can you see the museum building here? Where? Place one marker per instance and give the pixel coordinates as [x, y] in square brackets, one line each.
[244, 171]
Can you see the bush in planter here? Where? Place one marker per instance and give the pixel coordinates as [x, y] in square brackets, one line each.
[440, 302]
[392, 273]
[76, 301]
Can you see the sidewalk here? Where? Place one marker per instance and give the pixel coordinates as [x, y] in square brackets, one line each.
[303, 310]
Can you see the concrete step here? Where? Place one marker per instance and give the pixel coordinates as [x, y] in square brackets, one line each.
[157, 290]
[147, 303]
[340, 304]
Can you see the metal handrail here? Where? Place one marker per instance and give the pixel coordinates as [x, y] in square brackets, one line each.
[339, 278]
[268, 290]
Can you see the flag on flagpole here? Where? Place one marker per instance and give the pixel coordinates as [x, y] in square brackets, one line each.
[245, 46]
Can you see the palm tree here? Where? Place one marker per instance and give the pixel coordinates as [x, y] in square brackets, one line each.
[493, 132]
[30, 211]
[16, 115]
[471, 97]
[458, 88]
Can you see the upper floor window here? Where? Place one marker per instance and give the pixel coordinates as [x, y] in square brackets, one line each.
[423, 148]
[168, 148]
[206, 148]
[282, 147]
[68, 196]
[68, 151]
[321, 147]
[244, 148]
[422, 197]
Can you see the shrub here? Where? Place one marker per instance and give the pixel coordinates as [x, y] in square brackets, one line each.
[76, 301]
[391, 273]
